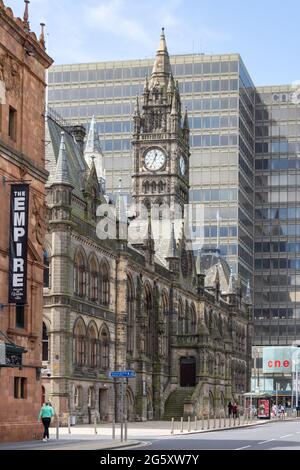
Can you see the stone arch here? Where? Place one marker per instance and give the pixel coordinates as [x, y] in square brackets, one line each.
[93, 287]
[79, 342]
[104, 343]
[92, 344]
[80, 272]
[164, 334]
[131, 324]
[193, 317]
[130, 402]
[149, 326]
[180, 328]
[104, 282]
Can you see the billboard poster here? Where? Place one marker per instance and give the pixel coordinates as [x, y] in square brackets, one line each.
[278, 359]
[263, 408]
[19, 205]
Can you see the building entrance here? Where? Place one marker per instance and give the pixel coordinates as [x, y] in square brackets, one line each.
[187, 372]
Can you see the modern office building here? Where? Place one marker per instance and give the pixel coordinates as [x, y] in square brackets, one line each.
[219, 96]
[277, 230]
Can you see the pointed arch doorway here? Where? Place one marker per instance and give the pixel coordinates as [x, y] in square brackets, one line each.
[187, 372]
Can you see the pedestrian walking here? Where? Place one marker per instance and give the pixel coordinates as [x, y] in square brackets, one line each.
[46, 414]
[234, 410]
[229, 409]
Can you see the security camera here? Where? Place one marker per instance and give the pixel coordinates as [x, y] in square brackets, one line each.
[47, 372]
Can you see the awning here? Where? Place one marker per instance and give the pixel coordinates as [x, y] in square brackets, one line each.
[10, 353]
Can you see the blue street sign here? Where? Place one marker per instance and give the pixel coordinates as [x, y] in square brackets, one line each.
[123, 373]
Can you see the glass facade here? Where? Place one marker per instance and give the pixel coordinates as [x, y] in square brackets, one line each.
[277, 216]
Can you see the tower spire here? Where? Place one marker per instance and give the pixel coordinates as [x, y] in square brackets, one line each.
[26, 16]
[42, 36]
[62, 175]
[162, 67]
[93, 150]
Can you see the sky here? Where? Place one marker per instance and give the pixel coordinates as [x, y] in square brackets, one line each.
[265, 32]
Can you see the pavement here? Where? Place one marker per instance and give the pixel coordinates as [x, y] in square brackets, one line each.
[140, 435]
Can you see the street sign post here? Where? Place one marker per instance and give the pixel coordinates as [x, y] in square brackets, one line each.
[123, 375]
[128, 374]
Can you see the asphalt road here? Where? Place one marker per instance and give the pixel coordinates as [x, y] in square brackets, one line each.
[272, 436]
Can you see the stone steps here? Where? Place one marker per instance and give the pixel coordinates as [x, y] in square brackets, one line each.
[175, 403]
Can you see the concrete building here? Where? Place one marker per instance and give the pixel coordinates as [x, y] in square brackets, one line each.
[23, 62]
[180, 322]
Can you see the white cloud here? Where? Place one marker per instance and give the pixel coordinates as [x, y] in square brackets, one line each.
[115, 17]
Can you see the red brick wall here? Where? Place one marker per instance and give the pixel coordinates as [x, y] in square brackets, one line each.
[22, 159]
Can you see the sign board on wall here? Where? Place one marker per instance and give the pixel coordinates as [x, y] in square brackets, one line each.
[19, 205]
[278, 360]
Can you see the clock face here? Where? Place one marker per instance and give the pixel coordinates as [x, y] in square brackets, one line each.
[182, 165]
[155, 159]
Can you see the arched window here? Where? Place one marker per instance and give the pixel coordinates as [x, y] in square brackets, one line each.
[78, 396]
[187, 318]
[146, 187]
[104, 284]
[45, 344]
[180, 318]
[130, 316]
[193, 316]
[149, 338]
[47, 279]
[91, 397]
[153, 187]
[165, 314]
[161, 187]
[80, 275]
[93, 346]
[104, 348]
[79, 336]
[94, 281]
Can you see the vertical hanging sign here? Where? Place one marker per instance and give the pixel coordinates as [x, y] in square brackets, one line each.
[19, 204]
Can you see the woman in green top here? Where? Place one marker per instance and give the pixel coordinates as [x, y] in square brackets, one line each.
[46, 414]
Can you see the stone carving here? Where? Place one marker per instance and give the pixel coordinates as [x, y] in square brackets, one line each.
[10, 74]
[40, 214]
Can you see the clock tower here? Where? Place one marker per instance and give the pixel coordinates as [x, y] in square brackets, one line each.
[161, 139]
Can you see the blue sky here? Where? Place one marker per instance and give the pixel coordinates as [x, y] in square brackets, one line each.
[265, 32]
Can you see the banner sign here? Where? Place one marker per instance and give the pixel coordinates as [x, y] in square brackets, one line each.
[19, 204]
[278, 359]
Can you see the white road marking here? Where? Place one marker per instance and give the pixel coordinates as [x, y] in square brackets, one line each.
[287, 435]
[298, 432]
[240, 448]
[266, 441]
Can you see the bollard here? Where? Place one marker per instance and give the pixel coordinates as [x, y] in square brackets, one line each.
[172, 426]
[239, 420]
[95, 424]
[214, 421]
[234, 421]
[196, 424]
[69, 424]
[189, 424]
[125, 430]
[208, 421]
[57, 427]
[113, 429]
[225, 423]
[181, 424]
[220, 420]
[230, 421]
[202, 422]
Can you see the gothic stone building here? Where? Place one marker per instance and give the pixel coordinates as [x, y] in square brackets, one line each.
[23, 61]
[147, 305]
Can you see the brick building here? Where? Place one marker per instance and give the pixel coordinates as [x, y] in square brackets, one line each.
[148, 304]
[23, 61]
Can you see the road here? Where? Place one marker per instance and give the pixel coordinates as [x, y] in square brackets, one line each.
[272, 436]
